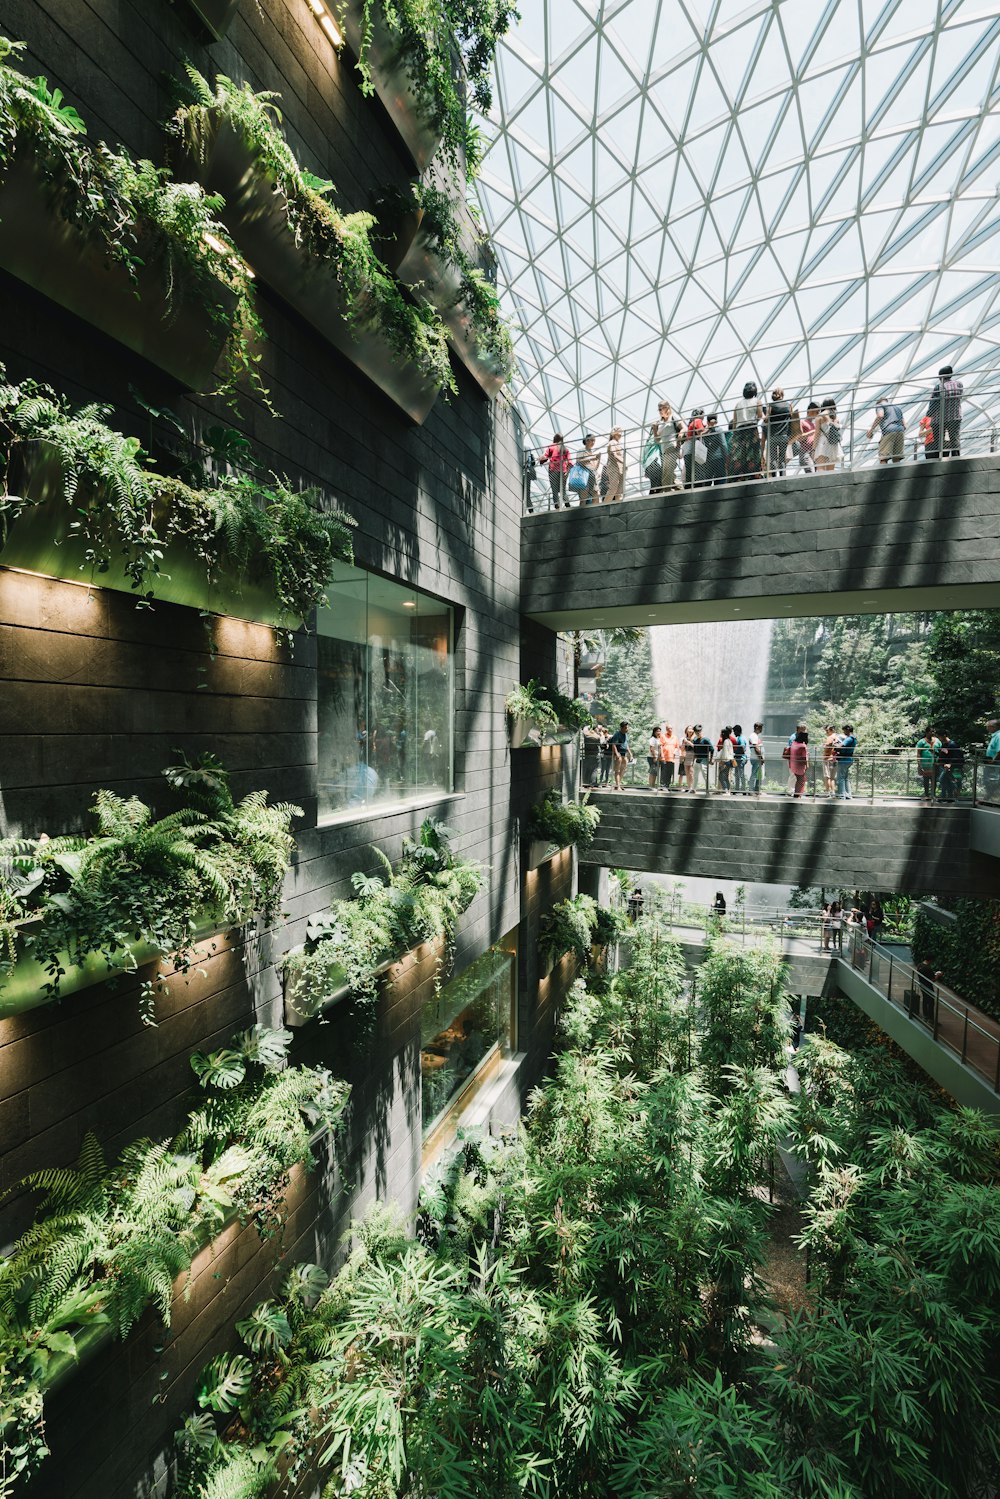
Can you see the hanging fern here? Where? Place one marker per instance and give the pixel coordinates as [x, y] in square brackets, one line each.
[418, 901]
[109, 1242]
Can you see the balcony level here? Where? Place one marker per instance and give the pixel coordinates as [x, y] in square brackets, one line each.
[906, 847]
[875, 540]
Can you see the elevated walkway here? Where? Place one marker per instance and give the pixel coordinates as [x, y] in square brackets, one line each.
[901, 846]
[918, 536]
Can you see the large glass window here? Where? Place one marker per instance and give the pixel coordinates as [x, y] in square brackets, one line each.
[385, 694]
[464, 1029]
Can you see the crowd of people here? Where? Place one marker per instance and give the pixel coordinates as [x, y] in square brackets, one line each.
[762, 438]
[733, 762]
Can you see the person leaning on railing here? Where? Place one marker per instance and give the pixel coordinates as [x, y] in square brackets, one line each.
[891, 423]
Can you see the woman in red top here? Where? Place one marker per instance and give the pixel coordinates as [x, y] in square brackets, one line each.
[798, 760]
[556, 456]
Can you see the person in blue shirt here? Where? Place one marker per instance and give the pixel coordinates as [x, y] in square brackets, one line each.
[991, 770]
[845, 760]
[891, 423]
[741, 751]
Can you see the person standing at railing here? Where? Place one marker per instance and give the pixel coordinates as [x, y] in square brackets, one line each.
[945, 412]
[777, 425]
[757, 758]
[830, 760]
[725, 756]
[927, 982]
[702, 756]
[744, 459]
[991, 766]
[667, 432]
[847, 743]
[836, 919]
[694, 449]
[806, 440]
[615, 466]
[928, 749]
[557, 460]
[798, 762]
[951, 765]
[828, 448]
[740, 753]
[686, 774]
[621, 753]
[669, 749]
[591, 754]
[891, 423]
[589, 459]
[716, 449]
[654, 754]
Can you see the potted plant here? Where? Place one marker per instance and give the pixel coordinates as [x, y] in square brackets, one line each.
[79, 501]
[117, 242]
[423, 59]
[568, 928]
[554, 825]
[76, 910]
[350, 947]
[541, 715]
[442, 256]
[320, 261]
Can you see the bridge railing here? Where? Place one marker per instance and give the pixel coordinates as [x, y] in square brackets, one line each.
[890, 776]
[956, 1025]
[633, 461]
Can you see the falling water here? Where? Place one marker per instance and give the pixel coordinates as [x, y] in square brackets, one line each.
[712, 674]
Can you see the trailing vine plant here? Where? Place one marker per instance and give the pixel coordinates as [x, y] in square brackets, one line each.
[418, 901]
[341, 241]
[144, 881]
[132, 210]
[108, 1242]
[447, 48]
[252, 523]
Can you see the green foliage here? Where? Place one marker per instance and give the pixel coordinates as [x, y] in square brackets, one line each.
[744, 1013]
[966, 951]
[625, 686]
[254, 524]
[476, 295]
[427, 33]
[964, 658]
[131, 210]
[108, 1242]
[140, 881]
[568, 928]
[552, 820]
[418, 901]
[343, 241]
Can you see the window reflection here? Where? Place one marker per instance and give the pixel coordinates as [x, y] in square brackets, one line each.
[385, 687]
[467, 1026]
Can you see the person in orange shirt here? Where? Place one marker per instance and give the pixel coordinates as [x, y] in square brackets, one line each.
[669, 751]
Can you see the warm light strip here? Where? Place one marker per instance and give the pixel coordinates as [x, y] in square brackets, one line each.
[327, 22]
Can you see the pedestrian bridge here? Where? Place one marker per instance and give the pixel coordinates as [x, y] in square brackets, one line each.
[914, 536]
[907, 847]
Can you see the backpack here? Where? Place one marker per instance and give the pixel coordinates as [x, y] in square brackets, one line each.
[578, 478]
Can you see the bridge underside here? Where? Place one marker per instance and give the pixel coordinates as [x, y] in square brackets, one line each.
[923, 536]
[910, 848]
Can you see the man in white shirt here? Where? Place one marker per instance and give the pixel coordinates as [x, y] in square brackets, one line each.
[756, 745]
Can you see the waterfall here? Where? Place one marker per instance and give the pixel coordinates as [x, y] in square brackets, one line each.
[712, 674]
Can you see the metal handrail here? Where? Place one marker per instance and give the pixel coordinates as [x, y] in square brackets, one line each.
[942, 1010]
[979, 436]
[876, 775]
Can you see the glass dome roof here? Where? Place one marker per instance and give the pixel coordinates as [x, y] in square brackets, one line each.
[803, 195]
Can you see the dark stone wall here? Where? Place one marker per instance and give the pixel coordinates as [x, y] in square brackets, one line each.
[98, 693]
[873, 846]
[917, 536]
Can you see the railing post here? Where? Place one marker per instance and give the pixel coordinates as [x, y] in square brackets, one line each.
[975, 779]
[937, 996]
[907, 792]
[888, 992]
[872, 798]
[871, 960]
[965, 1033]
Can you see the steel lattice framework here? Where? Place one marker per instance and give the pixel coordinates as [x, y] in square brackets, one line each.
[685, 194]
